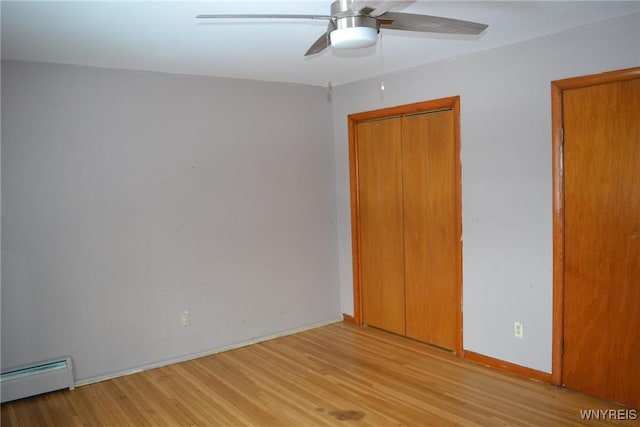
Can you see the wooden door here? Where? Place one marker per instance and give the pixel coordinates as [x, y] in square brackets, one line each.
[406, 220]
[429, 189]
[602, 240]
[381, 224]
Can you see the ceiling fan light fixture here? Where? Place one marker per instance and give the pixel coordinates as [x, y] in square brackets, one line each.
[354, 32]
[353, 38]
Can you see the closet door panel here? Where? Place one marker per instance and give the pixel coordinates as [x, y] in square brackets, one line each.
[380, 207]
[429, 216]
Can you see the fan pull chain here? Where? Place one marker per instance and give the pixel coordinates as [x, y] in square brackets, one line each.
[381, 71]
[329, 87]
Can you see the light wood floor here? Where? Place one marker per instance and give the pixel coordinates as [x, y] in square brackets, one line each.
[330, 376]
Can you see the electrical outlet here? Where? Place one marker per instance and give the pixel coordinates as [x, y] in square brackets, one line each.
[517, 330]
[186, 318]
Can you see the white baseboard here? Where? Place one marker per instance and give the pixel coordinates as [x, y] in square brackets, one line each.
[185, 358]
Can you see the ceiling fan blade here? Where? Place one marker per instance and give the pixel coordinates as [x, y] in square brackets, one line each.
[377, 8]
[429, 24]
[319, 45]
[264, 16]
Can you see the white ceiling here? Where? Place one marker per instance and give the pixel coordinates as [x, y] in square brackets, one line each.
[165, 36]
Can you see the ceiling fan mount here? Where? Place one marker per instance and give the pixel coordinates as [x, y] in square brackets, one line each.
[356, 23]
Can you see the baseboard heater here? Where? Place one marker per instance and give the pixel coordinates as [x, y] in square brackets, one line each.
[37, 378]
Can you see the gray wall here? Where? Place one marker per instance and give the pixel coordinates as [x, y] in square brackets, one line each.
[506, 173]
[128, 197]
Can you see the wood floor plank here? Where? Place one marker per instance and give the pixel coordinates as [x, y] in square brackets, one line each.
[339, 374]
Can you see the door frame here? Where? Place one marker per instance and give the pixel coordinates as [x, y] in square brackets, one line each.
[557, 89]
[449, 103]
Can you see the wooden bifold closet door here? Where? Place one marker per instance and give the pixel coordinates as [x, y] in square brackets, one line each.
[407, 218]
[381, 224]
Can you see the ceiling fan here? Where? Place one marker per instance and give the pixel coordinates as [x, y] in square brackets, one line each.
[356, 23]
